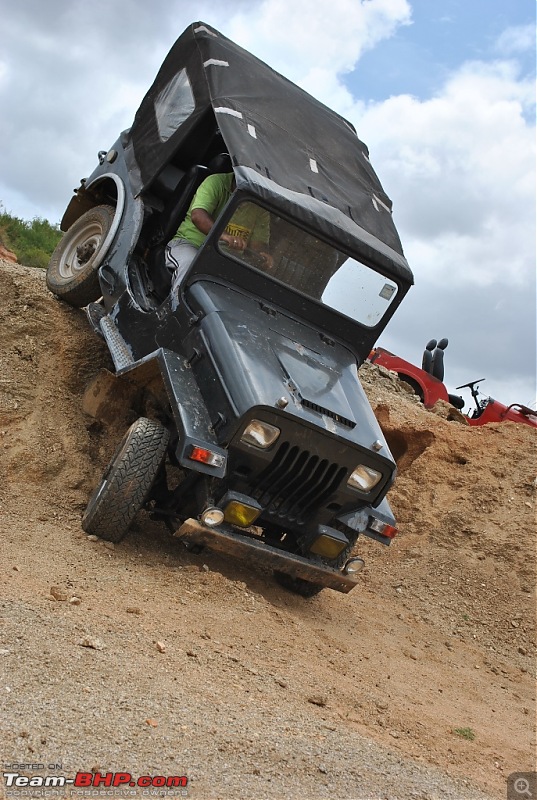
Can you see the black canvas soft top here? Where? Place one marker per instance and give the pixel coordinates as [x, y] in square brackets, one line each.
[285, 146]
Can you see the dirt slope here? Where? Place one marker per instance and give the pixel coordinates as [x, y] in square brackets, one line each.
[205, 668]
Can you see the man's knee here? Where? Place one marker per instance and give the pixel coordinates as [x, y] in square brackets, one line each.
[179, 256]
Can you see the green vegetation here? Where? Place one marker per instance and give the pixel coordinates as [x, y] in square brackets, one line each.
[465, 733]
[32, 242]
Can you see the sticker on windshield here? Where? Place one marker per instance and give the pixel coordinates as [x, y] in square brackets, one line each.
[387, 291]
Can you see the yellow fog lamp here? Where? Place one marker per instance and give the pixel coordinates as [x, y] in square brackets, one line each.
[239, 509]
[329, 543]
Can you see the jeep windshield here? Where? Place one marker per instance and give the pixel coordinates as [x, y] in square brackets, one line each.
[277, 247]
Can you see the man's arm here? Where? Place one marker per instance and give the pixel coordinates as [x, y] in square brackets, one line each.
[204, 222]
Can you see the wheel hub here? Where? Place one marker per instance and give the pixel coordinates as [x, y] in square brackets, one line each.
[85, 251]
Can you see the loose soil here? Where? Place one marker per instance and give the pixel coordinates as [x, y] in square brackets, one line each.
[146, 658]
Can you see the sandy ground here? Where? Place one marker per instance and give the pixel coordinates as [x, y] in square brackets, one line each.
[145, 658]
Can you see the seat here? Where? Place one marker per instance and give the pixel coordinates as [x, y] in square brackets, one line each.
[177, 206]
[166, 227]
[171, 217]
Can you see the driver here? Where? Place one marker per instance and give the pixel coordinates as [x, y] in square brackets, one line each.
[248, 228]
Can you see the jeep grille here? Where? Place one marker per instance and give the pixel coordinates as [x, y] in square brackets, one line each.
[296, 483]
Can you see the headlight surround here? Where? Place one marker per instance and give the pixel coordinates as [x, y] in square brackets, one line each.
[364, 478]
[260, 434]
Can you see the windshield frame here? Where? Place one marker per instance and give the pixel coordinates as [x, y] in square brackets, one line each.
[212, 263]
[307, 263]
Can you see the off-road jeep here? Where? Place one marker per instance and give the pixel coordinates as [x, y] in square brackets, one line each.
[250, 368]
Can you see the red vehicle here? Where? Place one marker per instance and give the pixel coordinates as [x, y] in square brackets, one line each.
[427, 382]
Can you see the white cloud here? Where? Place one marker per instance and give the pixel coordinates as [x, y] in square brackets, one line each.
[516, 39]
[331, 35]
[460, 168]
[312, 43]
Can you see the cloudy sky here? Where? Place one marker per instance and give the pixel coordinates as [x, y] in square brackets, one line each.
[442, 92]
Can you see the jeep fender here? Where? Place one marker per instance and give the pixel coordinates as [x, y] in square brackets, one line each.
[190, 414]
[104, 189]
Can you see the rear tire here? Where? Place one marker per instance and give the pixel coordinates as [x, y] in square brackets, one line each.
[127, 480]
[72, 271]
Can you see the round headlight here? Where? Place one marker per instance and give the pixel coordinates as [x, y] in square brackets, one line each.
[260, 434]
[212, 517]
[353, 566]
[364, 478]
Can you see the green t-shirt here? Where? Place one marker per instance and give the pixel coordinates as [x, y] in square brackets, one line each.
[249, 222]
[211, 196]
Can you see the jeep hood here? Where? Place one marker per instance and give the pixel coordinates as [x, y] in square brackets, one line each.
[262, 357]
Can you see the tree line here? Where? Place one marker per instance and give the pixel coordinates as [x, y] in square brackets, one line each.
[32, 242]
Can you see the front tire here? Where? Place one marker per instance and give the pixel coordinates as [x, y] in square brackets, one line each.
[127, 480]
[72, 271]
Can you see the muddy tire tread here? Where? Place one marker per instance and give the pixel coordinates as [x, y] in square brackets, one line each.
[127, 481]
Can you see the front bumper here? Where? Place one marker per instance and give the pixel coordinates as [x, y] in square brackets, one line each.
[226, 539]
